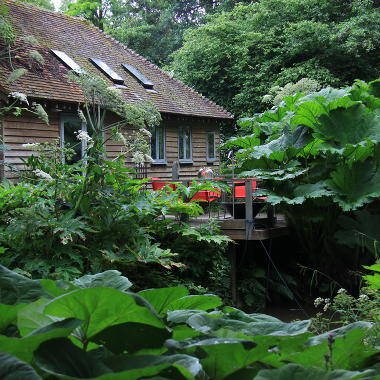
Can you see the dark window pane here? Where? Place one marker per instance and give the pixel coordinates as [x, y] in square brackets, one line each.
[154, 144]
[158, 143]
[70, 139]
[211, 146]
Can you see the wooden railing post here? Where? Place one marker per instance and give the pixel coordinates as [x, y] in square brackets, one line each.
[248, 209]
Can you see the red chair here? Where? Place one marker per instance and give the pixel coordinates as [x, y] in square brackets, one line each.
[158, 184]
[239, 189]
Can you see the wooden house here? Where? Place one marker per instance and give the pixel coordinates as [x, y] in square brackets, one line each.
[190, 129]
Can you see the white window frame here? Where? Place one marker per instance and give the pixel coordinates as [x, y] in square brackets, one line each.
[208, 158]
[190, 158]
[157, 147]
[71, 117]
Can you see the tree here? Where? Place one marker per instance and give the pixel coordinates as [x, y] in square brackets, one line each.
[47, 4]
[153, 28]
[236, 57]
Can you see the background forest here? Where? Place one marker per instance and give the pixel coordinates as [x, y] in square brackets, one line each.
[235, 52]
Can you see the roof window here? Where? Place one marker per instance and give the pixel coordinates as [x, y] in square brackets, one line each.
[67, 61]
[140, 77]
[105, 69]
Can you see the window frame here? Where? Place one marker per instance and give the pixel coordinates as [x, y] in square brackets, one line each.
[71, 117]
[188, 160]
[157, 147]
[208, 158]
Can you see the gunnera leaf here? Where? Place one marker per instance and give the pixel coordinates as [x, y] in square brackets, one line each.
[107, 279]
[356, 185]
[16, 289]
[297, 372]
[12, 368]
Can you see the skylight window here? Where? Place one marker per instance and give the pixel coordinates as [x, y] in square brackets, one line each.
[140, 77]
[103, 67]
[67, 61]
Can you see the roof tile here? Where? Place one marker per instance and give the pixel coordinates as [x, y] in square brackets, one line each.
[81, 41]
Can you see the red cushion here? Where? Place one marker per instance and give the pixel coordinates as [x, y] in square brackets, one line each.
[239, 188]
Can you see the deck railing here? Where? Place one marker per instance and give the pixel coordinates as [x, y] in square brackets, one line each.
[236, 199]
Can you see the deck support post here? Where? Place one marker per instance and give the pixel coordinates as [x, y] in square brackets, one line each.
[248, 210]
[233, 282]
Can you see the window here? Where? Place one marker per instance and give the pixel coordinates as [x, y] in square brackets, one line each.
[210, 147]
[158, 144]
[67, 61]
[69, 125]
[146, 83]
[184, 144]
[104, 68]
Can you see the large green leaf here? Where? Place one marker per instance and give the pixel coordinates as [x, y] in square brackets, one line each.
[107, 279]
[207, 324]
[355, 186]
[62, 358]
[32, 317]
[198, 302]
[8, 314]
[295, 139]
[351, 125]
[297, 372]
[100, 308]
[161, 298]
[234, 313]
[181, 316]
[300, 193]
[131, 337]
[349, 352]
[361, 229]
[12, 368]
[225, 356]
[184, 366]
[16, 289]
[339, 332]
[23, 348]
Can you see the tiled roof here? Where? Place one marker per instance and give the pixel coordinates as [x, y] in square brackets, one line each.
[81, 41]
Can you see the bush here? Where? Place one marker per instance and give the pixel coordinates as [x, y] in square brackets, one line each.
[95, 327]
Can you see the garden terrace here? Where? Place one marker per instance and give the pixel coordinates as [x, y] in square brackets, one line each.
[242, 213]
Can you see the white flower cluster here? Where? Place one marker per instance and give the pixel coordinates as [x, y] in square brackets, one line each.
[138, 158]
[363, 297]
[31, 145]
[319, 301]
[148, 158]
[120, 137]
[66, 239]
[342, 291]
[19, 96]
[41, 174]
[145, 132]
[83, 136]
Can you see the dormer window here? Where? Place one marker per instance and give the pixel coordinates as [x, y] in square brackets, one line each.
[145, 82]
[106, 70]
[67, 61]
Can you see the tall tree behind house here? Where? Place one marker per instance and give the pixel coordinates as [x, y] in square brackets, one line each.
[153, 28]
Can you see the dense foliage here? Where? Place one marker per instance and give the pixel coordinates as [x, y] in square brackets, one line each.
[237, 57]
[319, 156]
[152, 28]
[95, 327]
[47, 4]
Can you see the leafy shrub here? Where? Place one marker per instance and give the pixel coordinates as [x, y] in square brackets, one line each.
[318, 155]
[95, 327]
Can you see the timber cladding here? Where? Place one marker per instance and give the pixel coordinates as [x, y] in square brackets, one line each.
[19, 131]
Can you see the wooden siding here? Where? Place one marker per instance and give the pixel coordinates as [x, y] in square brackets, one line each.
[199, 141]
[22, 130]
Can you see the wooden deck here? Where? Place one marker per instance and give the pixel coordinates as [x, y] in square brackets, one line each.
[242, 229]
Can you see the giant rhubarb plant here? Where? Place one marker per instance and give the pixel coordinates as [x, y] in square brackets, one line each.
[319, 154]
